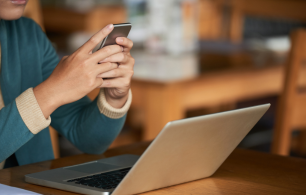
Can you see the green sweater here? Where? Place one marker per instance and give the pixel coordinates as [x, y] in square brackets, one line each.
[27, 59]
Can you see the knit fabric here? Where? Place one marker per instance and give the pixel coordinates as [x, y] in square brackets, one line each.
[110, 111]
[1, 105]
[30, 112]
[34, 119]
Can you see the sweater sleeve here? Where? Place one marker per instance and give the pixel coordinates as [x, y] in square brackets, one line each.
[90, 126]
[30, 112]
[110, 111]
[12, 127]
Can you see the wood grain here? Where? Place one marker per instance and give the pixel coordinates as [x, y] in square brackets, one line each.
[284, 9]
[225, 17]
[244, 172]
[68, 21]
[210, 20]
[162, 102]
[273, 9]
[291, 109]
[55, 142]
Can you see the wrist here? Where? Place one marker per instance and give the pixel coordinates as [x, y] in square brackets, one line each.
[46, 98]
[115, 102]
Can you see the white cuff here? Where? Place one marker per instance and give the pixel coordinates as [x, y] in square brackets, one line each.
[30, 112]
[109, 111]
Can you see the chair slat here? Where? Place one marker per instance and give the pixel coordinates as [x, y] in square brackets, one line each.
[299, 112]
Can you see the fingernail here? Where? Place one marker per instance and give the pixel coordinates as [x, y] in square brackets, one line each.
[120, 40]
[110, 26]
[122, 48]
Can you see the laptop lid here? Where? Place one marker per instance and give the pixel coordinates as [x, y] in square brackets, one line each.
[189, 149]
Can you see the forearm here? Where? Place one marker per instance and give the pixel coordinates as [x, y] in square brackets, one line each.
[91, 126]
[13, 130]
[83, 124]
[46, 98]
[49, 101]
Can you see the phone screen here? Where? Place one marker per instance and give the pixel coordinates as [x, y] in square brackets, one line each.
[120, 30]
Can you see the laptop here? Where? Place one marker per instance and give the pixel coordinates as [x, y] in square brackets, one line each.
[185, 150]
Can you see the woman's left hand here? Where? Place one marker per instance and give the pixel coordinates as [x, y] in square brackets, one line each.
[116, 83]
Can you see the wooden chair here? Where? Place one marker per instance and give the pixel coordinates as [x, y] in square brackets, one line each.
[291, 114]
[224, 19]
[33, 11]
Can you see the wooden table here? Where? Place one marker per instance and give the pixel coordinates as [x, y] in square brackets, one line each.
[161, 102]
[244, 172]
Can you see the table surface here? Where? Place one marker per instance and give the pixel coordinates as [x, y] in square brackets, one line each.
[244, 172]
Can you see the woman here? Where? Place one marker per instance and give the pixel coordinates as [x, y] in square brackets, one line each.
[36, 86]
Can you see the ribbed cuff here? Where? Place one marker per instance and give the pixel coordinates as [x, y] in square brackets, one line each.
[110, 111]
[30, 112]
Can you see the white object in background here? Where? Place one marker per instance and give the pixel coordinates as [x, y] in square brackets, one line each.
[157, 24]
[269, 50]
[174, 42]
[165, 68]
[137, 17]
[274, 44]
[172, 26]
[8, 190]
[278, 44]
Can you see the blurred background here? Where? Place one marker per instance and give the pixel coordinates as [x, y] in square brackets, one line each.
[196, 57]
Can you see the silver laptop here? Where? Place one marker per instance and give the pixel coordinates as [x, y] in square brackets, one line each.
[185, 150]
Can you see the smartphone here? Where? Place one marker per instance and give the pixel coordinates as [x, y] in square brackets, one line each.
[120, 30]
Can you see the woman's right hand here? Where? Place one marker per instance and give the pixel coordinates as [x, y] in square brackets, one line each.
[76, 75]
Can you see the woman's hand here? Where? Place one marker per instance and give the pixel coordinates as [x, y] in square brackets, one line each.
[76, 75]
[118, 80]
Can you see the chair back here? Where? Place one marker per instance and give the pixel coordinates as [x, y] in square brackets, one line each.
[291, 112]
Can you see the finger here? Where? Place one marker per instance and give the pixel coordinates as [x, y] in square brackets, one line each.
[121, 58]
[105, 67]
[96, 39]
[116, 83]
[99, 82]
[118, 72]
[105, 52]
[125, 42]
